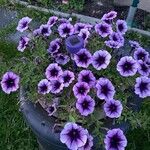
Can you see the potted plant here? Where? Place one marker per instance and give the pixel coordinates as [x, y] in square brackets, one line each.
[82, 79]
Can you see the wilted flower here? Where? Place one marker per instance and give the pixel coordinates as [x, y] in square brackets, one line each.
[142, 87]
[81, 89]
[52, 20]
[67, 77]
[88, 77]
[53, 71]
[89, 143]
[113, 44]
[141, 54]
[115, 140]
[62, 59]
[109, 16]
[122, 26]
[143, 68]
[74, 136]
[101, 59]
[36, 32]
[56, 86]
[113, 108]
[23, 43]
[103, 29]
[45, 30]
[44, 87]
[51, 109]
[84, 33]
[105, 89]
[23, 24]
[10, 82]
[127, 66]
[83, 58]
[65, 29]
[85, 105]
[134, 44]
[53, 47]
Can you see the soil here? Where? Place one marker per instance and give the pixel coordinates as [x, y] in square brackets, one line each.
[96, 8]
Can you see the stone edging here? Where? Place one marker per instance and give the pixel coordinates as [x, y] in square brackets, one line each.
[82, 18]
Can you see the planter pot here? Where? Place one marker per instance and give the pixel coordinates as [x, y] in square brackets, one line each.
[122, 2]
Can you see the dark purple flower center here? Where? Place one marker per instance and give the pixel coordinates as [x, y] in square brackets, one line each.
[143, 86]
[104, 89]
[24, 24]
[141, 56]
[115, 38]
[84, 36]
[80, 28]
[74, 134]
[52, 21]
[103, 29]
[86, 78]
[81, 89]
[61, 57]
[44, 30]
[144, 67]
[51, 109]
[57, 85]
[113, 108]
[85, 104]
[83, 57]
[110, 15]
[66, 78]
[43, 88]
[54, 72]
[100, 60]
[115, 142]
[120, 27]
[66, 30]
[127, 66]
[54, 47]
[10, 82]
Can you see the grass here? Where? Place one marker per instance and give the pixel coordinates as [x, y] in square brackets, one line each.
[15, 135]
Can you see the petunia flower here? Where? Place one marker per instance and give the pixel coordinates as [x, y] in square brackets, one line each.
[65, 29]
[23, 24]
[83, 58]
[105, 89]
[53, 71]
[45, 30]
[113, 44]
[44, 86]
[113, 108]
[127, 66]
[52, 20]
[141, 54]
[74, 136]
[23, 43]
[101, 59]
[115, 140]
[62, 59]
[67, 77]
[10, 82]
[53, 47]
[51, 109]
[121, 26]
[81, 89]
[142, 86]
[79, 26]
[88, 77]
[109, 16]
[103, 29]
[134, 44]
[85, 105]
[84, 33]
[36, 32]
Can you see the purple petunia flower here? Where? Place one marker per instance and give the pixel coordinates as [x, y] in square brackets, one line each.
[74, 136]
[127, 66]
[45, 30]
[62, 59]
[56, 86]
[10, 82]
[84, 33]
[115, 140]
[113, 44]
[105, 89]
[142, 87]
[122, 26]
[103, 29]
[23, 43]
[83, 58]
[52, 20]
[53, 71]
[88, 77]
[141, 54]
[134, 44]
[44, 87]
[85, 105]
[23, 24]
[113, 108]
[65, 29]
[81, 89]
[143, 68]
[89, 143]
[36, 32]
[51, 109]
[101, 59]
[109, 16]
[79, 26]
[53, 47]
[117, 37]
[67, 77]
